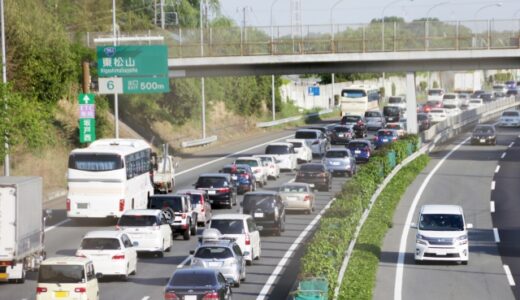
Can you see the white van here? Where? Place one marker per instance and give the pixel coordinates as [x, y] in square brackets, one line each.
[71, 278]
[441, 234]
[286, 156]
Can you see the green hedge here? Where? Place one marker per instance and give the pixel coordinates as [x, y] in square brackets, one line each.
[324, 254]
[360, 277]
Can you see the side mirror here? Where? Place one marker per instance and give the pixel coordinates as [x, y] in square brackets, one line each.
[469, 226]
[192, 252]
[413, 225]
[99, 275]
[229, 282]
[135, 244]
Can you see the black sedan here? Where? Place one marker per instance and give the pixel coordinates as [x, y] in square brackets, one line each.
[197, 284]
[484, 134]
[315, 173]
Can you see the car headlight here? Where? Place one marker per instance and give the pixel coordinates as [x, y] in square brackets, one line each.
[462, 240]
[421, 239]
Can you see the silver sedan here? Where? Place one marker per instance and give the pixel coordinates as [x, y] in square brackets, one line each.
[297, 196]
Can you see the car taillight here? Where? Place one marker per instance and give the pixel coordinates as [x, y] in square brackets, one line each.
[80, 254]
[248, 240]
[40, 290]
[68, 204]
[121, 204]
[246, 176]
[307, 198]
[210, 295]
[156, 227]
[170, 296]
[80, 290]
[118, 256]
[394, 138]
[223, 190]
[367, 149]
[118, 227]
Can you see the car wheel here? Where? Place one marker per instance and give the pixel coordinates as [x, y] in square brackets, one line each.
[236, 284]
[134, 272]
[465, 262]
[194, 229]
[418, 262]
[186, 234]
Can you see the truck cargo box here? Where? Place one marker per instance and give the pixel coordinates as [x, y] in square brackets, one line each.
[21, 224]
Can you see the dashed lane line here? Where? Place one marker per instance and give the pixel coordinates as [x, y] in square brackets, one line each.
[495, 234]
[509, 276]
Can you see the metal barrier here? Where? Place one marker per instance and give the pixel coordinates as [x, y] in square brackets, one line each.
[199, 142]
[291, 119]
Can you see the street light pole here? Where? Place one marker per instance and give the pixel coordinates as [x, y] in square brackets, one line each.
[333, 75]
[202, 83]
[273, 100]
[427, 23]
[116, 99]
[4, 81]
[497, 4]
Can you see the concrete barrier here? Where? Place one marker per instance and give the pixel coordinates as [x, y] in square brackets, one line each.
[291, 119]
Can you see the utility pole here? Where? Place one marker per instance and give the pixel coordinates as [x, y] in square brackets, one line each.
[154, 12]
[244, 20]
[4, 81]
[116, 100]
[162, 14]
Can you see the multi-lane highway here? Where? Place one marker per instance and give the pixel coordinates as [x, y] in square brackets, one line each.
[263, 277]
[460, 174]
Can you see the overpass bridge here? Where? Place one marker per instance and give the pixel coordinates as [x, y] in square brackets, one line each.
[427, 45]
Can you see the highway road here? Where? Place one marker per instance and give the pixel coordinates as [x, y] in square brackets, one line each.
[507, 209]
[277, 262]
[459, 174]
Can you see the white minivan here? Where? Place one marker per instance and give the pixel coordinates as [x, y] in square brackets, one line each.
[67, 277]
[441, 234]
[286, 156]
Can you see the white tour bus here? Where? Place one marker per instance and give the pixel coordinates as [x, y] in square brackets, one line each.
[357, 99]
[109, 177]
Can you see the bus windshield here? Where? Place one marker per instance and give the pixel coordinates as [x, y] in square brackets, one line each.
[353, 93]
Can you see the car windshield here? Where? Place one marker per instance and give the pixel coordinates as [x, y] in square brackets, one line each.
[100, 244]
[394, 100]
[385, 133]
[251, 202]
[306, 135]
[336, 154]
[434, 92]
[213, 253]
[391, 110]
[297, 144]
[341, 129]
[510, 114]
[277, 149]
[351, 119]
[357, 145]
[293, 189]
[159, 202]
[312, 168]
[61, 274]
[192, 279]
[137, 220]
[372, 114]
[422, 117]
[441, 222]
[475, 101]
[449, 97]
[484, 130]
[450, 106]
[228, 226]
[208, 181]
[249, 162]
[353, 93]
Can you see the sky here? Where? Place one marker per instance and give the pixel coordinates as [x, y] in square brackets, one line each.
[359, 12]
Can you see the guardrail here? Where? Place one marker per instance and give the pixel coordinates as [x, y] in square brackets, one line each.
[199, 142]
[291, 119]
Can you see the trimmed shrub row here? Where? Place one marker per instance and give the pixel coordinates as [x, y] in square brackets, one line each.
[324, 253]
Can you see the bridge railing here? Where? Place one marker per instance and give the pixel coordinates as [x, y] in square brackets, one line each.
[425, 35]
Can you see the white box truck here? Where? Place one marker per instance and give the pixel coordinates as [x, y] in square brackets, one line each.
[21, 227]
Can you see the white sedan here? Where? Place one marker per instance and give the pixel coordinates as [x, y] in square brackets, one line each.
[112, 253]
[438, 115]
[451, 110]
[303, 151]
[474, 103]
[273, 170]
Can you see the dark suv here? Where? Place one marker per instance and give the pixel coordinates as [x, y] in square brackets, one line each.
[178, 210]
[221, 188]
[267, 209]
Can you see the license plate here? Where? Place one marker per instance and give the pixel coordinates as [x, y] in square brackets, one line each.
[335, 163]
[4, 276]
[82, 205]
[211, 192]
[190, 297]
[292, 198]
[357, 151]
[214, 264]
[61, 294]
[210, 201]
[441, 252]
[482, 140]
[341, 135]
[258, 215]
[385, 140]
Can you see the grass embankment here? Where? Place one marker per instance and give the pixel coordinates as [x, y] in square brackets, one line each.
[359, 280]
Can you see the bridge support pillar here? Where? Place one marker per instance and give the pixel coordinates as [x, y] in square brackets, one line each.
[411, 103]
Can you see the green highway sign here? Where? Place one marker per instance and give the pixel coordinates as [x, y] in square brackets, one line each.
[87, 130]
[122, 61]
[146, 85]
[86, 99]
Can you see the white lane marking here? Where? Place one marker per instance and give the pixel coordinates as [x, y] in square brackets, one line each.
[511, 145]
[232, 154]
[503, 155]
[56, 225]
[492, 206]
[497, 169]
[279, 268]
[493, 185]
[184, 262]
[497, 237]
[146, 298]
[406, 229]
[509, 275]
